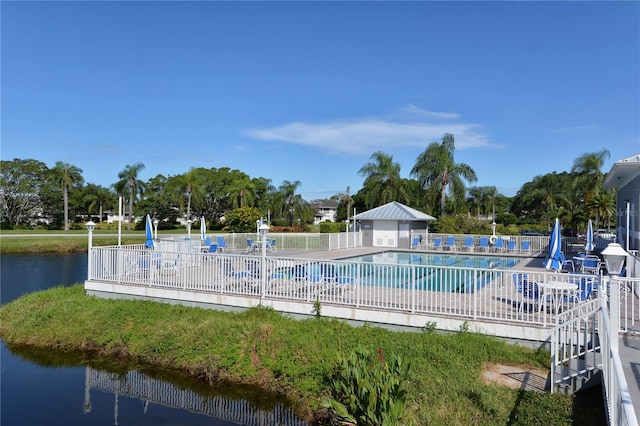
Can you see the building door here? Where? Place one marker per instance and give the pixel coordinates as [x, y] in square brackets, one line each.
[385, 233]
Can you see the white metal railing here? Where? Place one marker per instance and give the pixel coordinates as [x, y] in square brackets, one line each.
[237, 242]
[472, 290]
[575, 346]
[134, 384]
[619, 405]
[581, 344]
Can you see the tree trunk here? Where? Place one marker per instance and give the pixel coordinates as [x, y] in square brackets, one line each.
[65, 197]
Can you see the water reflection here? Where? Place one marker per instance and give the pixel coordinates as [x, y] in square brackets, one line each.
[150, 391]
[48, 387]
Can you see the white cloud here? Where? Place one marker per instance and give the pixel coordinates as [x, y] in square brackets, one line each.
[416, 128]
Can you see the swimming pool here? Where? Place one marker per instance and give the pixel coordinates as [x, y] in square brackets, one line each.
[459, 273]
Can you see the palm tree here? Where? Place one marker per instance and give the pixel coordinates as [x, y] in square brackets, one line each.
[590, 178]
[604, 205]
[129, 179]
[435, 169]
[483, 197]
[98, 196]
[291, 200]
[382, 181]
[192, 186]
[241, 191]
[68, 175]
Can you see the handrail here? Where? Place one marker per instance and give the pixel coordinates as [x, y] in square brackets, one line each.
[619, 406]
[569, 344]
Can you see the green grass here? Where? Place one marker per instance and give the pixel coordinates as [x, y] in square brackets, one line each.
[263, 348]
[60, 244]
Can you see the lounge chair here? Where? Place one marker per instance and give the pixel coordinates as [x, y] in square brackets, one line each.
[498, 246]
[511, 246]
[484, 244]
[450, 244]
[468, 244]
[525, 246]
[415, 242]
[437, 244]
[251, 246]
[222, 246]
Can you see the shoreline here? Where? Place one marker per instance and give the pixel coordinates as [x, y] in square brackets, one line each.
[262, 348]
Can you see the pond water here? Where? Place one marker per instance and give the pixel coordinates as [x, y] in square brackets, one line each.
[48, 388]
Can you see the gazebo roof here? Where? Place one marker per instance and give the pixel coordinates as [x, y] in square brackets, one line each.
[394, 211]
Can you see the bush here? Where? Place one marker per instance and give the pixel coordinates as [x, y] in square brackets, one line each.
[332, 227]
[368, 391]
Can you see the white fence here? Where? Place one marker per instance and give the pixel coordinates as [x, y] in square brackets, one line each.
[472, 291]
[283, 241]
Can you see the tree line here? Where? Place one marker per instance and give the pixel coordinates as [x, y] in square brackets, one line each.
[32, 194]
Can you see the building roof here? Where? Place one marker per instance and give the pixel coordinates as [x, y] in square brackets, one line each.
[622, 172]
[325, 204]
[394, 211]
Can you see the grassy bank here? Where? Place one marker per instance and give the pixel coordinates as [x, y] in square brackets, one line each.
[57, 243]
[261, 347]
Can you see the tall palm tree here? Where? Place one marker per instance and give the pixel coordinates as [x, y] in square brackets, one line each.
[382, 181]
[241, 191]
[436, 168]
[292, 200]
[590, 177]
[192, 186]
[129, 180]
[68, 175]
[482, 198]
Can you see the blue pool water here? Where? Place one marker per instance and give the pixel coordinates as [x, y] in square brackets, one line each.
[458, 273]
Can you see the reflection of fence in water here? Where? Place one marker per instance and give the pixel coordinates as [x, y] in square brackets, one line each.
[137, 385]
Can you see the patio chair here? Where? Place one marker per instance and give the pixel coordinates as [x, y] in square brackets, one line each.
[272, 245]
[525, 246]
[511, 246]
[499, 245]
[415, 242]
[591, 265]
[484, 244]
[468, 244]
[564, 263]
[585, 289]
[450, 244]
[222, 246]
[528, 289]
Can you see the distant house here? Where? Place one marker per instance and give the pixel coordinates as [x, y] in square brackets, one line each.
[391, 225]
[325, 210]
[625, 176]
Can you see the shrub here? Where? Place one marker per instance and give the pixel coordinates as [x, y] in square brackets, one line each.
[367, 390]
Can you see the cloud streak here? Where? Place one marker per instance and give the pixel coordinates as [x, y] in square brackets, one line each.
[412, 127]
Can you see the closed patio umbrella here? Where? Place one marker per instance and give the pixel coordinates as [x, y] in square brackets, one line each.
[203, 229]
[553, 258]
[588, 247]
[149, 231]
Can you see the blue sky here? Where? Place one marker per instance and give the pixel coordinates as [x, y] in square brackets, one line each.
[309, 91]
